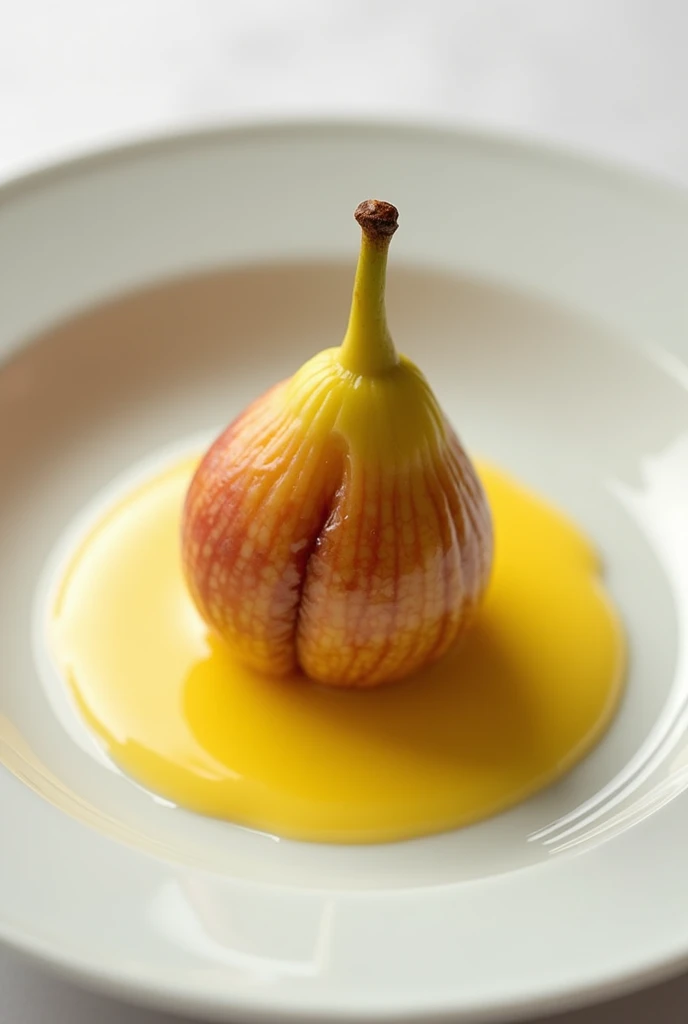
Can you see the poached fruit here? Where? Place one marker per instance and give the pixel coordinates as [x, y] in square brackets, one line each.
[338, 526]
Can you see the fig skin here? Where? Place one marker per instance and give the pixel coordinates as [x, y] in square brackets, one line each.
[338, 527]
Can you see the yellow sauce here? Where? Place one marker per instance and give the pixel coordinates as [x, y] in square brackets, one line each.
[510, 709]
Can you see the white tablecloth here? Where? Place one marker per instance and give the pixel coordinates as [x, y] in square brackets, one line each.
[609, 76]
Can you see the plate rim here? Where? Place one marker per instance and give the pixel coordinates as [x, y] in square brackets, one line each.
[136, 988]
[45, 172]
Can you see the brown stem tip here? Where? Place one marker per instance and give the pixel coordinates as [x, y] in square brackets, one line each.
[378, 220]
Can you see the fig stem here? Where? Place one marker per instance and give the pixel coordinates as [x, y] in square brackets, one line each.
[368, 348]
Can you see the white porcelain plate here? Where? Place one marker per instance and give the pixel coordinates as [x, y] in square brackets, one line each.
[145, 296]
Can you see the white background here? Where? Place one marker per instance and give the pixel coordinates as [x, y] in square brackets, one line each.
[610, 76]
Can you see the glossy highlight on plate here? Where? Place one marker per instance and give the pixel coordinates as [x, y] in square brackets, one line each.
[505, 712]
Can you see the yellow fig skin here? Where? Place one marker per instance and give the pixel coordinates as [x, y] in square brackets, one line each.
[338, 526]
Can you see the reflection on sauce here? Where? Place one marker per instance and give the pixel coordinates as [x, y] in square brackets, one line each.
[524, 696]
